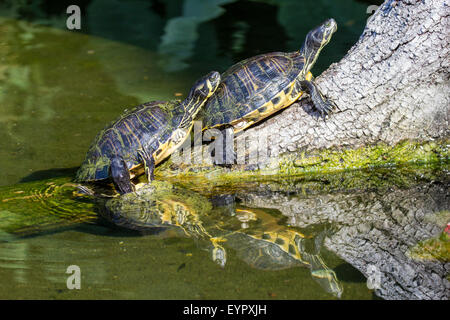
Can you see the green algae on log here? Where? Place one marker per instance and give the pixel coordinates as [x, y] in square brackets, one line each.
[304, 164]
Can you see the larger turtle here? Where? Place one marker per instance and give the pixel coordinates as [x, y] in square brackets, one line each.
[255, 88]
[145, 135]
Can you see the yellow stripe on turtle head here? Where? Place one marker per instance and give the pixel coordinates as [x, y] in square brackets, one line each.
[210, 88]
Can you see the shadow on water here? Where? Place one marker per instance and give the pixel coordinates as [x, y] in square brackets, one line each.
[255, 235]
[48, 174]
[345, 273]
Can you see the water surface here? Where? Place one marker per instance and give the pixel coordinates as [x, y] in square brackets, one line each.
[58, 88]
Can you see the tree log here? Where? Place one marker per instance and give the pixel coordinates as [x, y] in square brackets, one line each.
[391, 87]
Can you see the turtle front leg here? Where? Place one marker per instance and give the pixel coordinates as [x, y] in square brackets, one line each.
[121, 175]
[149, 164]
[323, 105]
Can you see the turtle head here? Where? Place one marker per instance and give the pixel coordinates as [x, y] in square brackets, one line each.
[316, 40]
[205, 87]
[202, 90]
[321, 35]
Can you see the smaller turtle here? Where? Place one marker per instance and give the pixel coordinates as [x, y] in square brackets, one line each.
[144, 135]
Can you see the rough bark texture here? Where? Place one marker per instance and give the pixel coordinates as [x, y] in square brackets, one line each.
[375, 228]
[391, 86]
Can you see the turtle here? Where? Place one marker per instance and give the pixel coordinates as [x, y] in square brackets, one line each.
[255, 88]
[147, 134]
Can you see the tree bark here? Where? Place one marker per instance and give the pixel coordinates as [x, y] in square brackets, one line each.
[392, 86]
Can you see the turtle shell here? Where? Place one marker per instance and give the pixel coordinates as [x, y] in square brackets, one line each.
[149, 125]
[253, 89]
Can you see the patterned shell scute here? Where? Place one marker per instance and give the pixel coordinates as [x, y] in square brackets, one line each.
[249, 84]
[145, 125]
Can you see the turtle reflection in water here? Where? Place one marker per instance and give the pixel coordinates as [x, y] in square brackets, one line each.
[255, 235]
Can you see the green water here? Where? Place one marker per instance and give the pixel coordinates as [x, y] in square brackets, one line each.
[114, 266]
[44, 234]
[58, 88]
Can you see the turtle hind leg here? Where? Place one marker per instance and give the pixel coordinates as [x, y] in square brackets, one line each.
[323, 105]
[121, 176]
